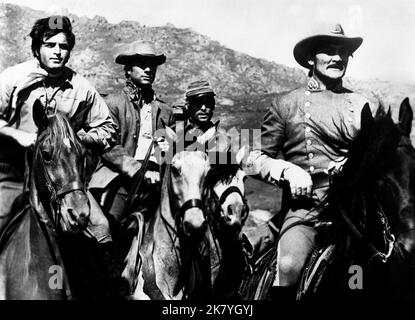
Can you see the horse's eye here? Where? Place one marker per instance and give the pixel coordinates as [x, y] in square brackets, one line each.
[47, 154]
[175, 171]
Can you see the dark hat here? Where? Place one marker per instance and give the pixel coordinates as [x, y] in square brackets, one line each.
[305, 47]
[199, 88]
[139, 51]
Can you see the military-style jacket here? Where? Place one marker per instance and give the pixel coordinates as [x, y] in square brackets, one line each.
[125, 111]
[288, 128]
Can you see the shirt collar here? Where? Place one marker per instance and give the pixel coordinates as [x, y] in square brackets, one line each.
[65, 79]
[314, 86]
[135, 93]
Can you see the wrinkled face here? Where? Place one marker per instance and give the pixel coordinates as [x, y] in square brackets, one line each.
[233, 207]
[330, 62]
[143, 73]
[64, 165]
[189, 169]
[54, 53]
[201, 108]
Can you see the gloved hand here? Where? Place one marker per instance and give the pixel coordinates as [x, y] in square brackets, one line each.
[299, 181]
[25, 139]
[152, 177]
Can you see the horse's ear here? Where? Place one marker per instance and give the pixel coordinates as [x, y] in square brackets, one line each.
[217, 124]
[170, 134]
[79, 118]
[208, 135]
[366, 116]
[39, 115]
[389, 113]
[406, 116]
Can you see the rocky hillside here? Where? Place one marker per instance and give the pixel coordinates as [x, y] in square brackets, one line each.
[245, 85]
[190, 56]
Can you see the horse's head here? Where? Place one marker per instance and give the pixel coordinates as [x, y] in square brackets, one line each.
[228, 184]
[188, 172]
[58, 171]
[377, 181]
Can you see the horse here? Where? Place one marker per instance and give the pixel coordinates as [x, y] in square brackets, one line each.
[164, 261]
[227, 210]
[366, 238]
[54, 203]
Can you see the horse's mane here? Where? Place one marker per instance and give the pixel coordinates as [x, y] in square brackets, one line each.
[369, 159]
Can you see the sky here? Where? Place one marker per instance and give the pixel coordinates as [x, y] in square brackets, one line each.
[270, 28]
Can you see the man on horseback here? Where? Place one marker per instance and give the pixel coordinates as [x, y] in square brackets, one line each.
[200, 104]
[59, 89]
[305, 171]
[139, 114]
[47, 79]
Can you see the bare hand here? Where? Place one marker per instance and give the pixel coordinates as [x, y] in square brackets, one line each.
[152, 177]
[25, 139]
[299, 180]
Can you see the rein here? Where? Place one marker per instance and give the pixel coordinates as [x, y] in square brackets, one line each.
[389, 238]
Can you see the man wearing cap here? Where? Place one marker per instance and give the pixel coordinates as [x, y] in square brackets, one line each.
[199, 106]
[287, 128]
[138, 113]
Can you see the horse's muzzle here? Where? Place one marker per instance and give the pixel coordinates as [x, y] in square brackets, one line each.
[193, 221]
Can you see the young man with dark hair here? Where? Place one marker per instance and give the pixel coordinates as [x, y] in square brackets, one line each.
[60, 89]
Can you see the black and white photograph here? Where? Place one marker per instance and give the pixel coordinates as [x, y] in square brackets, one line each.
[221, 153]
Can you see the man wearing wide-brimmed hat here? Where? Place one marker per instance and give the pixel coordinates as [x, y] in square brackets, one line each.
[138, 113]
[287, 128]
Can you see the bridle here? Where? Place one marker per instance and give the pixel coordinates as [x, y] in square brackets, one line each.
[388, 237]
[57, 194]
[226, 193]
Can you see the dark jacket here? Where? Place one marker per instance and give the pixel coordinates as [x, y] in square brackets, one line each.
[124, 108]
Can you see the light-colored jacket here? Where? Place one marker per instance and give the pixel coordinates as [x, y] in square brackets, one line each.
[287, 128]
[22, 84]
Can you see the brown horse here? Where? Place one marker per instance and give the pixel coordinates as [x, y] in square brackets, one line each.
[31, 266]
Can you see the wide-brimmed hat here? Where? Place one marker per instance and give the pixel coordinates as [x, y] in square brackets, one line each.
[335, 35]
[199, 88]
[140, 51]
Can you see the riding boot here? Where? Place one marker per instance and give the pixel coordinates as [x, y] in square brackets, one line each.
[112, 269]
[282, 294]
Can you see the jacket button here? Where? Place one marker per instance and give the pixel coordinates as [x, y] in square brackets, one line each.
[308, 129]
[310, 155]
[307, 115]
[307, 104]
[311, 169]
[135, 136]
[309, 142]
[307, 93]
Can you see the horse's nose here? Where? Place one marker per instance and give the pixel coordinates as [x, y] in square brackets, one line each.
[83, 219]
[233, 218]
[193, 221]
[79, 218]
